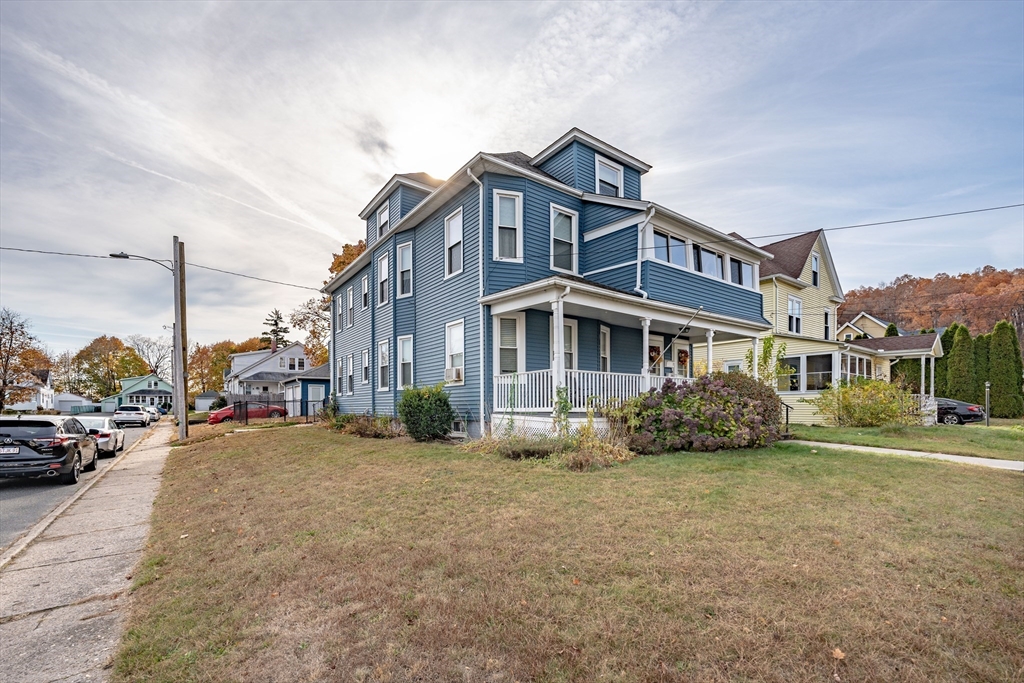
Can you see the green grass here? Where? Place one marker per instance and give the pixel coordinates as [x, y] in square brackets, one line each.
[1002, 442]
[311, 555]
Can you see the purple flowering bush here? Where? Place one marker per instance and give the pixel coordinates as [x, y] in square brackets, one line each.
[702, 415]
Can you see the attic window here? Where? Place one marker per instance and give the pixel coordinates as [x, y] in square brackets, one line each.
[609, 178]
[382, 220]
[814, 269]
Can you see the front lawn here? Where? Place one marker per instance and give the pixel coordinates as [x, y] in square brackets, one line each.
[1002, 442]
[301, 554]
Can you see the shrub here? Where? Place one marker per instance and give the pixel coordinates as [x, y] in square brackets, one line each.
[867, 403]
[702, 415]
[960, 380]
[529, 447]
[1004, 371]
[426, 412]
[218, 403]
[769, 403]
[372, 427]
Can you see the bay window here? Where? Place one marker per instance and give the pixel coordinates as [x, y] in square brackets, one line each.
[707, 262]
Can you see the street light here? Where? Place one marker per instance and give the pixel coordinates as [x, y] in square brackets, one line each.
[179, 369]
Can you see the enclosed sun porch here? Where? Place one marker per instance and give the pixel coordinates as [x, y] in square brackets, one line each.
[612, 345]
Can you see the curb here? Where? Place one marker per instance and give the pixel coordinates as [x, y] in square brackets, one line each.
[49, 519]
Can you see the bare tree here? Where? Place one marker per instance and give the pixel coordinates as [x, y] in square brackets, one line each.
[155, 351]
[18, 351]
[68, 373]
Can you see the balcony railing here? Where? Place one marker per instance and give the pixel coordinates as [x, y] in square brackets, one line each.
[534, 392]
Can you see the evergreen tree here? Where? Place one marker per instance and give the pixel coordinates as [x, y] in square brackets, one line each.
[891, 331]
[1004, 370]
[960, 382]
[277, 331]
[908, 373]
[981, 346]
[940, 363]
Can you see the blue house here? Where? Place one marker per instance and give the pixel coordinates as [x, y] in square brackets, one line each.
[519, 275]
[304, 394]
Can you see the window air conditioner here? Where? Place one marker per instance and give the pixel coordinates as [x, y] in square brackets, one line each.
[453, 374]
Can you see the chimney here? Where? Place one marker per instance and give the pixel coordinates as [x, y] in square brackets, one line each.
[273, 344]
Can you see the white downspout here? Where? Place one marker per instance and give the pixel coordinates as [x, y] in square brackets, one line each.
[480, 278]
[640, 252]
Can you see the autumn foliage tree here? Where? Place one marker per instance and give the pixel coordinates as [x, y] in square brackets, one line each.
[104, 362]
[20, 354]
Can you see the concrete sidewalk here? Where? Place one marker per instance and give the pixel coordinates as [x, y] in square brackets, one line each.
[962, 459]
[62, 598]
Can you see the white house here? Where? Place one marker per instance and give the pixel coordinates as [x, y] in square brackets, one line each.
[41, 396]
[265, 371]
[64, 402]
[204, 400]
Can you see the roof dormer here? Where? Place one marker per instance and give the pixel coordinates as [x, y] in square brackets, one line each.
[590, 165]
[398, 197]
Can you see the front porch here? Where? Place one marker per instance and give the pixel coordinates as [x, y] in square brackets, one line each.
[535, 392]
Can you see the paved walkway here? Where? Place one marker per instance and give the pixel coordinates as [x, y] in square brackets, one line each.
[964, 459]
[62, 599]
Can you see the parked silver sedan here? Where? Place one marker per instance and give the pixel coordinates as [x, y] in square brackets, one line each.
[109, 437]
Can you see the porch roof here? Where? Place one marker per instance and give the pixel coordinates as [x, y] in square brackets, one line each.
[912, 345]
[584, 298]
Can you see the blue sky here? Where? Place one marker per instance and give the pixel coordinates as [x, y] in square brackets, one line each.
[256, 132]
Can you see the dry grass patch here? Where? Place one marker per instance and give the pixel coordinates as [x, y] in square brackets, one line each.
[1000, 442]
[302, 554]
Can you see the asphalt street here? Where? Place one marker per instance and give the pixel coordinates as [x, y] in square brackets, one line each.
[24, 502]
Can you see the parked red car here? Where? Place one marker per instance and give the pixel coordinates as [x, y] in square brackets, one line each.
[255, 410]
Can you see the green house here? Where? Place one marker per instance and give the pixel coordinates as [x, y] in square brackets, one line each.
[145, 390]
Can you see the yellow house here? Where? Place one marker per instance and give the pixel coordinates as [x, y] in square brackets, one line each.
[801, 292]
[862, 324]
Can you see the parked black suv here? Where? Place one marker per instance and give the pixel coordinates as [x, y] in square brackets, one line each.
[957, 412]
[44, 446]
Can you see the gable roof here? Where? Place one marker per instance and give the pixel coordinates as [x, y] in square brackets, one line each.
[864, 314]
[521, 160]
[420, 181]
[915, 343]
[577, 135]
[208, 394]
[319, 372]
[790, 255]
[263, 359]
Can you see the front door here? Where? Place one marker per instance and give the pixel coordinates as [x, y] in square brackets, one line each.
[681, 359]
[655, 359]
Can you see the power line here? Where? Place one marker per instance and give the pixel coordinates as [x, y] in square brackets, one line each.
[194, 265]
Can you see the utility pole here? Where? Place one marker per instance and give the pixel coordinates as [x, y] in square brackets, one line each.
[180, 344]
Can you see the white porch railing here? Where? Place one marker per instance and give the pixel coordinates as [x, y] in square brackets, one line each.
[534, 392]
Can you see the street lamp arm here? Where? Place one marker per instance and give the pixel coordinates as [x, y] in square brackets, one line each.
[160, 262]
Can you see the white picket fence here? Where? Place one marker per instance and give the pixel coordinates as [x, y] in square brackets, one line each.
[534, 392]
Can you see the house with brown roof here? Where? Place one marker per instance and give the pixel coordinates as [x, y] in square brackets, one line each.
[801, 293]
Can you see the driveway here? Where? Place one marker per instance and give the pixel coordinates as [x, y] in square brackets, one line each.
[23, 502]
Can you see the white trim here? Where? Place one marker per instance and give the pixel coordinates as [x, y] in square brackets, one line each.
[462, 241]
[815, 256]
[386, 191]
[799, 284]
[364, 378]
[412, 362]
[686, 346]
[606, 268]
[575, 134]
[869, 317]
[604, 332]
[520, 318]
[598, 160]
[350, 309]
[608, 229]
[575, 348]
[386, 343]
[799, 318]
[386, 279]
[385, 208]
[518, 196]
[398, 270]
[575, 216]
[447, 349]
[366, 291]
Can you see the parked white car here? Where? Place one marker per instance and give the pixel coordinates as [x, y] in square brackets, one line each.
[154, 414]
[131, 415]
[109, 437]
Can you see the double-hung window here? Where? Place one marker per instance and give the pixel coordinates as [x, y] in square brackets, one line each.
[707, 262]
[453, 244]
[605, 348]
[383, 366]
[280, 363]
[563, 239]
[814, 270]
[828, 328]
[510, 346]
[670, 249]
[382, 280]
[291, 364]
[404, 269]
[382, 220]
[570, 348]
[790, 382]
[350, 384]
[366, 366]
[508, 226]
[339, 306]
[341, 371]
[609, 178]
[454, 350]
[366, 292]
[741, 273]
[302, 363]
[796, 308]
[351, 308]
[404, 362]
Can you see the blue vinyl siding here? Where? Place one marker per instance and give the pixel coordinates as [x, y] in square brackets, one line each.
[562, 166]
[665, 283]
[595, 215]
[353, 340]
[626, 344]
[631, 183]
[627, 349]
[410, 197]
[537, 200]
[394, 214]
[609, 250]
[538, 339]
[383, 328]
[586, 168]
[588, 344]
[623, 278]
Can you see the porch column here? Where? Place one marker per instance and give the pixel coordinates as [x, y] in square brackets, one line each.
[645, 324]
[924, 359]
[558, 342]
[710, 334]
[753, 345]
[932, 387]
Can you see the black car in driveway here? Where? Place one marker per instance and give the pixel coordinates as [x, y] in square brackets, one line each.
[952, 412]
[57, 447]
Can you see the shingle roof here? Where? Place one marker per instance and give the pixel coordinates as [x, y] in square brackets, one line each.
[521, 160]
[790, 255]
[914, 342]
[319, 372]
[209, 394]
[420, 177]
[268, 377]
